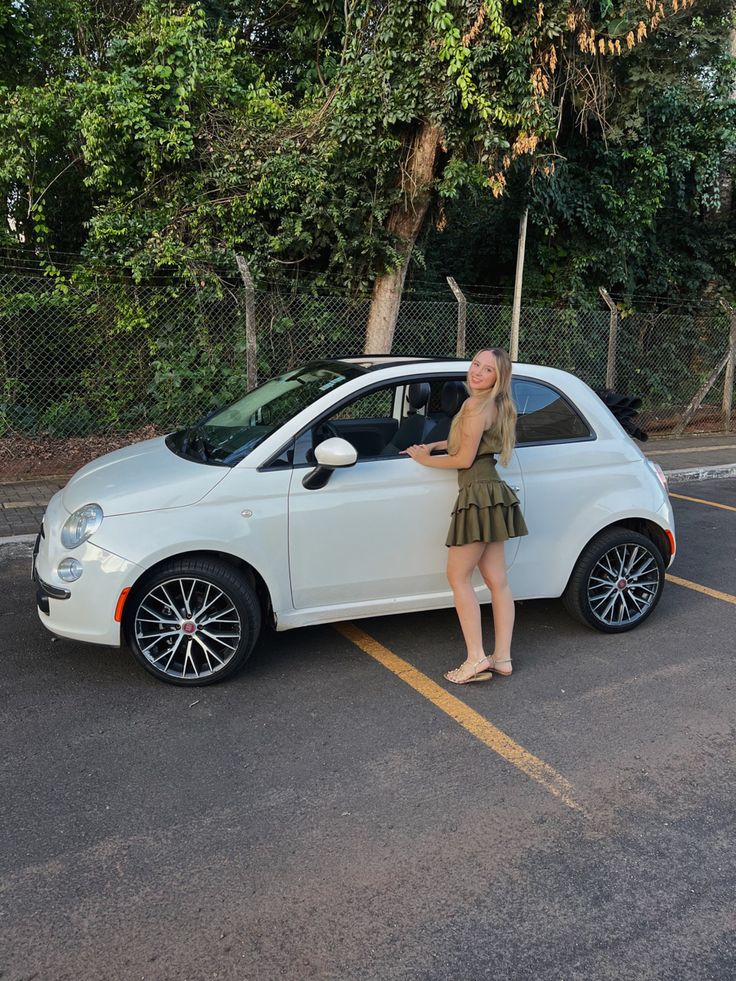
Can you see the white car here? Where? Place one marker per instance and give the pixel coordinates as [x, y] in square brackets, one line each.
[294, 505]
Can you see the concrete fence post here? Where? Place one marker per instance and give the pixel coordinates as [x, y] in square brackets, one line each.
[612, 339]
[462, 312]
[518, 283]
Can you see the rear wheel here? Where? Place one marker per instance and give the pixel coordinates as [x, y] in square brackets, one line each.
[617, 581]
[193, 622]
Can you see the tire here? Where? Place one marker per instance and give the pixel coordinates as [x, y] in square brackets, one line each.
[617, 581]
[193, 622]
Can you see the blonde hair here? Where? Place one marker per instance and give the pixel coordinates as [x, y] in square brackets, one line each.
[500, 396]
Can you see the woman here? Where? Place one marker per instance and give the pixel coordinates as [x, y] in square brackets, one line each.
[486, 513]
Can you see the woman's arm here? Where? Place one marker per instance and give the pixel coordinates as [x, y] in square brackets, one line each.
[472, 426]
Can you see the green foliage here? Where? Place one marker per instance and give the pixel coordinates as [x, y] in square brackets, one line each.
[161, 138]
[182, 133]
[68, 417]
[635, 207]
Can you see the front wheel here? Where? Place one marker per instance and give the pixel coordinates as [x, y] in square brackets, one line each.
[617, 581]
[193, 622]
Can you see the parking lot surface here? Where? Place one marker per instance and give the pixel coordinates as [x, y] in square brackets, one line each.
[338, 811]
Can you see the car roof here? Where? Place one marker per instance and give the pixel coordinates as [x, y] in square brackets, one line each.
[372, 361]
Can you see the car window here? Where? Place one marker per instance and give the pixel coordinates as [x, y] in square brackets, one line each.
[544, 414]
[368, 422]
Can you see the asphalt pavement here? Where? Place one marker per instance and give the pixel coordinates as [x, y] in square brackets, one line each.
[336, 811]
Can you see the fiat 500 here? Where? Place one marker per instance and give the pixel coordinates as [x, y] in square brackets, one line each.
[295, 505]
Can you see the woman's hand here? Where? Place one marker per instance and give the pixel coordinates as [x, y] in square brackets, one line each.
[420, 452]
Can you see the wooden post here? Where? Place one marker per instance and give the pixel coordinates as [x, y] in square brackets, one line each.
[518, 281]
[612, 339]
[728, 378]
[251, 344]
[462, 311]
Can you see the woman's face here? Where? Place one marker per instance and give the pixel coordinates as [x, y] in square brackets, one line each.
[482, 373]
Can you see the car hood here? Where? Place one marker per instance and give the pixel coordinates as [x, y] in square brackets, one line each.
[143, 477]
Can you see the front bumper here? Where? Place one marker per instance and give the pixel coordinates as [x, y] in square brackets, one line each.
[83, 610]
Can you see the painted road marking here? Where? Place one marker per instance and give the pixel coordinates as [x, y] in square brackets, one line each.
[475, 724]
[700, 500]
[715, 593]
[692, 449]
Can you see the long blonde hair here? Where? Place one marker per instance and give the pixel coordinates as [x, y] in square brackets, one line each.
[500, 396]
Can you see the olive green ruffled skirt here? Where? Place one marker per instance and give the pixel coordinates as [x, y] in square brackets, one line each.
[486, 510]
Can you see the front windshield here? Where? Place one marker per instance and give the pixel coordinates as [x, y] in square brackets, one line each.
[229, 434]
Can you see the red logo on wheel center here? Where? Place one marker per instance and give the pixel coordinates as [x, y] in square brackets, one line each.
[188, 627]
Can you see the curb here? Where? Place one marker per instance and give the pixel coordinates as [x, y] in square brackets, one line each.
[701, 473]
[17, 539]
[43, 479]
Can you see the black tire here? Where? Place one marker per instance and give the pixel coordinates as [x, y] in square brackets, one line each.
[192, 622]
[616, 582]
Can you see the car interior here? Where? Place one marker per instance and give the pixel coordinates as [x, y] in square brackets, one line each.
[371, 424]
[384, 422]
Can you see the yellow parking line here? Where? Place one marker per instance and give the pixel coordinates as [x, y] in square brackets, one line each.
[699, 500]
[475, 724]
[715, 593]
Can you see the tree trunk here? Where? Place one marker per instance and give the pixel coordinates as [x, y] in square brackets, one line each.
[405, 222]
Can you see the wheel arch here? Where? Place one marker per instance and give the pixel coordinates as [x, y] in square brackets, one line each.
[644, 526]
[248, 571]
[650, 529]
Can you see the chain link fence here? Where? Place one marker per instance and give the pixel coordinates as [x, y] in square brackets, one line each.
[114, 358]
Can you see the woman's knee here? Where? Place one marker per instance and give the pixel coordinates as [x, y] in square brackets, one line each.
[458, 578]
[495, 579]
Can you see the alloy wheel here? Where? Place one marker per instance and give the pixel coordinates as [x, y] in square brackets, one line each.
[187, 628]
[623, 584]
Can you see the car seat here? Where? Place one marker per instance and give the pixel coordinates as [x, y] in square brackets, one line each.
[415, 428]
[452, 396]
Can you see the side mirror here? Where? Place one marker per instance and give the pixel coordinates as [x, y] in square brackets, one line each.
[331, 454]
[336, 452]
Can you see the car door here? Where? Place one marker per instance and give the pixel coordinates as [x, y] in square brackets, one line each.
[375, 533]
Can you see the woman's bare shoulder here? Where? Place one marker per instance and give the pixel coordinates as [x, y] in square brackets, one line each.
[475, 408]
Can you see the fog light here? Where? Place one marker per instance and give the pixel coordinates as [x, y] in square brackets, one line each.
[70, 570]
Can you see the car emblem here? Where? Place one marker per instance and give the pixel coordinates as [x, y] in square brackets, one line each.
[188, 627]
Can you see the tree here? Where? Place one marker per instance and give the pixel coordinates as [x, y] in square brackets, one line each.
[633, 204]
[310, 136]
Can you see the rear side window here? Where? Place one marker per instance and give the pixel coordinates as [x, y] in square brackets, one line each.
[544, 415]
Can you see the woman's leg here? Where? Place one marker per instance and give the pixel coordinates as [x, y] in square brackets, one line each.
[492, 565]
[462, 561]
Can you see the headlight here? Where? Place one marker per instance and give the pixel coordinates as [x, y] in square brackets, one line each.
[79, 526]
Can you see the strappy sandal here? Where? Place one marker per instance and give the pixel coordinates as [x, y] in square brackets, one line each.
[479, 674]
[492, 666]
